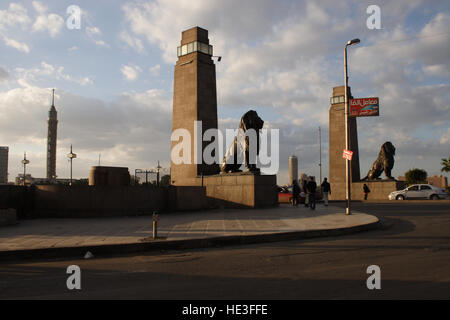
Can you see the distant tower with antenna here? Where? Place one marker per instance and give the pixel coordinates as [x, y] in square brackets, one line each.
[51, 140]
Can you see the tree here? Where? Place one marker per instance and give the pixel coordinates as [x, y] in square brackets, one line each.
[445, 165]
[165, 181]
[134, 181]
[414, 176]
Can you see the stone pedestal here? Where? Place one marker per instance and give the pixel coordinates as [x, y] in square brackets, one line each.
[242, 190]
[237, 190]
[379, 189]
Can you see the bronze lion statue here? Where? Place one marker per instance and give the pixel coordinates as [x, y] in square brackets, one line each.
[384, 162]
[250, 120]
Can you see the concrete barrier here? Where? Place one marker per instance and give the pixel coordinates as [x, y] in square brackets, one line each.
[8, 217]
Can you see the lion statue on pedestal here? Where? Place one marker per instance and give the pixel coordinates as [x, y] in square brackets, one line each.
[384, 162]
[241, 145]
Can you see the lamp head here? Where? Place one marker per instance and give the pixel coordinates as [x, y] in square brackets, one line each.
[354, 41]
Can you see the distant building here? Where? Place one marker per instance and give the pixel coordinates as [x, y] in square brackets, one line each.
[293, 169]
[109, 176]
[4, 165]
[438, 181]
[30, 180]
[51, 140]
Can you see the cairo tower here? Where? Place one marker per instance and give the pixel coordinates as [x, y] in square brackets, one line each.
[51, 140]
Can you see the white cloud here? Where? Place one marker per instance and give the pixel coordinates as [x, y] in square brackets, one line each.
[52, 23]
[14, 17]
[91, 31]
[29, 77]
[130, 72]
[23, 47]
[94, 32]
[131, 41]
[39, 7]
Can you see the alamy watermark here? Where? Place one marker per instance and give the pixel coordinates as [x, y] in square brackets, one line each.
[374, 281]
[262, 147]
[374, 20]
[74, 280]
[74, 19]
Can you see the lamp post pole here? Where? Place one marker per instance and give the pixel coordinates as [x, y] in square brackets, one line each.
[348, 193]
[25, 162]
[71, 156]
[320, 157]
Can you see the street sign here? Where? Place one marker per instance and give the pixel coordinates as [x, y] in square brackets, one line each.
[347, 154]
[364, 107]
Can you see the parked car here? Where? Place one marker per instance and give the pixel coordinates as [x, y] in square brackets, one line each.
[285, 195]
[419, 191]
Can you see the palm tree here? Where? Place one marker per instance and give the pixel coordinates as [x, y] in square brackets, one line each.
[445, 165]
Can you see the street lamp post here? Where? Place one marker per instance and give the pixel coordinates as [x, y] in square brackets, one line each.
[347, 133]
[71, 156]
[25, 162]
[158, 168]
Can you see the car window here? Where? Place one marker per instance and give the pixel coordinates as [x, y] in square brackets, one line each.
[425, 188]
[413, 188]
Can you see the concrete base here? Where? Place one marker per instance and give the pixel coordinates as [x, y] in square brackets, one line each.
[8, 217]
[379, 189]
[237, 190]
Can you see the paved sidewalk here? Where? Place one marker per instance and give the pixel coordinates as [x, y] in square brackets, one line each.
[59, 233]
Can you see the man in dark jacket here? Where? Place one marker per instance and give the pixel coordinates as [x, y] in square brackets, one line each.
[326, 188]
[311, 187]
[295, 193]
[366, 191]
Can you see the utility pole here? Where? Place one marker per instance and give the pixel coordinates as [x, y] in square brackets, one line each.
[25, 162]
[71, 156]
[347, 133]
[320, 157]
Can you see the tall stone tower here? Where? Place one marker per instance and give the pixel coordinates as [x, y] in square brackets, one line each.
[337, 145]
[51, 140]
[194, 99]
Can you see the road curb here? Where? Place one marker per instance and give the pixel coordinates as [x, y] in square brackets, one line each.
[160, 245]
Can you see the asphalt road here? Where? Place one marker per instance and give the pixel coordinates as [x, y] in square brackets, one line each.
[412, 250]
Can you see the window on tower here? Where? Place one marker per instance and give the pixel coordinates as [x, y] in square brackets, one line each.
[195, 46]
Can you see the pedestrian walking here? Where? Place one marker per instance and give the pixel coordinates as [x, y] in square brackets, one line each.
[366, 191]
[305, 191]
[311, 186]
[295, 193]
[326, 189]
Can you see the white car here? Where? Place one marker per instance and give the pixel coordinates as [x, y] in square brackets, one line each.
[419, 191]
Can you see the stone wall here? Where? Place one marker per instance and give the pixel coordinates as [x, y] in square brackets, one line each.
[8, 217]
[18, 197]
[101, 201]
[89, 201]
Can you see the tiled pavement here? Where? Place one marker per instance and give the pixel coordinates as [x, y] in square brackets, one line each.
[52, 233]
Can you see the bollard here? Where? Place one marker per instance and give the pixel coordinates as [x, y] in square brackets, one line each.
[155, 225]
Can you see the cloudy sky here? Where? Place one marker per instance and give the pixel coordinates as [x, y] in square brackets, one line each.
[114, 77]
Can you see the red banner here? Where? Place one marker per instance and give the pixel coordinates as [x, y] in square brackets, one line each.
[364, 107]
[347, 154]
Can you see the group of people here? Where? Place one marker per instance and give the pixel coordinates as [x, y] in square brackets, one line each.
[309, 188]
